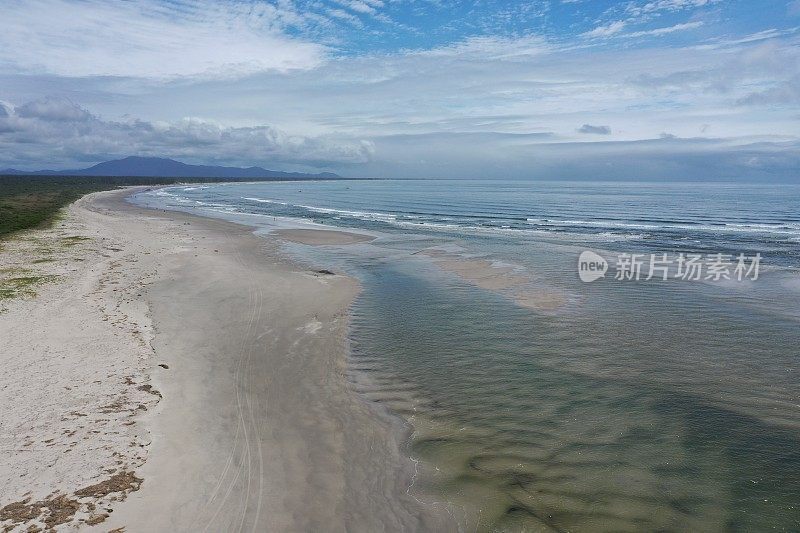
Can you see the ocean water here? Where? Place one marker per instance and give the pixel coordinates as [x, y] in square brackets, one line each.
[542, 403]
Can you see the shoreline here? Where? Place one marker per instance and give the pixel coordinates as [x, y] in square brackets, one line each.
[256, 426]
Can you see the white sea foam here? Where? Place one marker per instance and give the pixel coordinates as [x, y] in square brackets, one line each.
[777, 228]
[264, 200]
[364, 215]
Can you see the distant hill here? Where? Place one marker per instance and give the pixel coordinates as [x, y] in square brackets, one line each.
[169, 168]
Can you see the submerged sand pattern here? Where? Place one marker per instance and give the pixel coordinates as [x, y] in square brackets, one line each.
[512, 282]
[517, 442]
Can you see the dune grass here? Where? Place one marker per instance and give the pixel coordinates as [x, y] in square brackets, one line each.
[34, 201]
[22, 286]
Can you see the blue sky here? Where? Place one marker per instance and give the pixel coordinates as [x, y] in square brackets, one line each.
[408, 88]
[370, 26]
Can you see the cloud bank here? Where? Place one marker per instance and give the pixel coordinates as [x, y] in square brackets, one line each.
[292, 84]
[61, 132]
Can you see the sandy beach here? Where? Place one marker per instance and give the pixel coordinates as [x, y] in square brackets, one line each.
[170, 372]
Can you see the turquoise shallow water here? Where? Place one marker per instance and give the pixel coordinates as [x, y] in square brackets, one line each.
[630, 406]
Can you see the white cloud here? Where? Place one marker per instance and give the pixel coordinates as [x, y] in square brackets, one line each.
[490, 47]
[53, 109]
[605, 31]
[655, 6]
[341, 14]
[358, 6]
[784, 93]
[6, 109]
[481, 84]
[665, 31]
[150, 39]
[764, 35]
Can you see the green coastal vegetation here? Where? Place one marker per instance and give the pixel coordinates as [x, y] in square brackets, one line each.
[34, 201]
[23, 286]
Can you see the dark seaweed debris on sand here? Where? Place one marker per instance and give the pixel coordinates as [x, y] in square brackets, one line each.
[59, 508]
[56, 510]
[122, 482]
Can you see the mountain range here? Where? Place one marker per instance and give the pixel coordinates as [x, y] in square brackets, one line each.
[169, 168]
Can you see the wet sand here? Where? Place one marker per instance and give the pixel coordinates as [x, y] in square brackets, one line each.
[256, 427]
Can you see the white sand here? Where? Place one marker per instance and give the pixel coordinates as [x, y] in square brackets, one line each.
[76, 363]
[257, 428]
